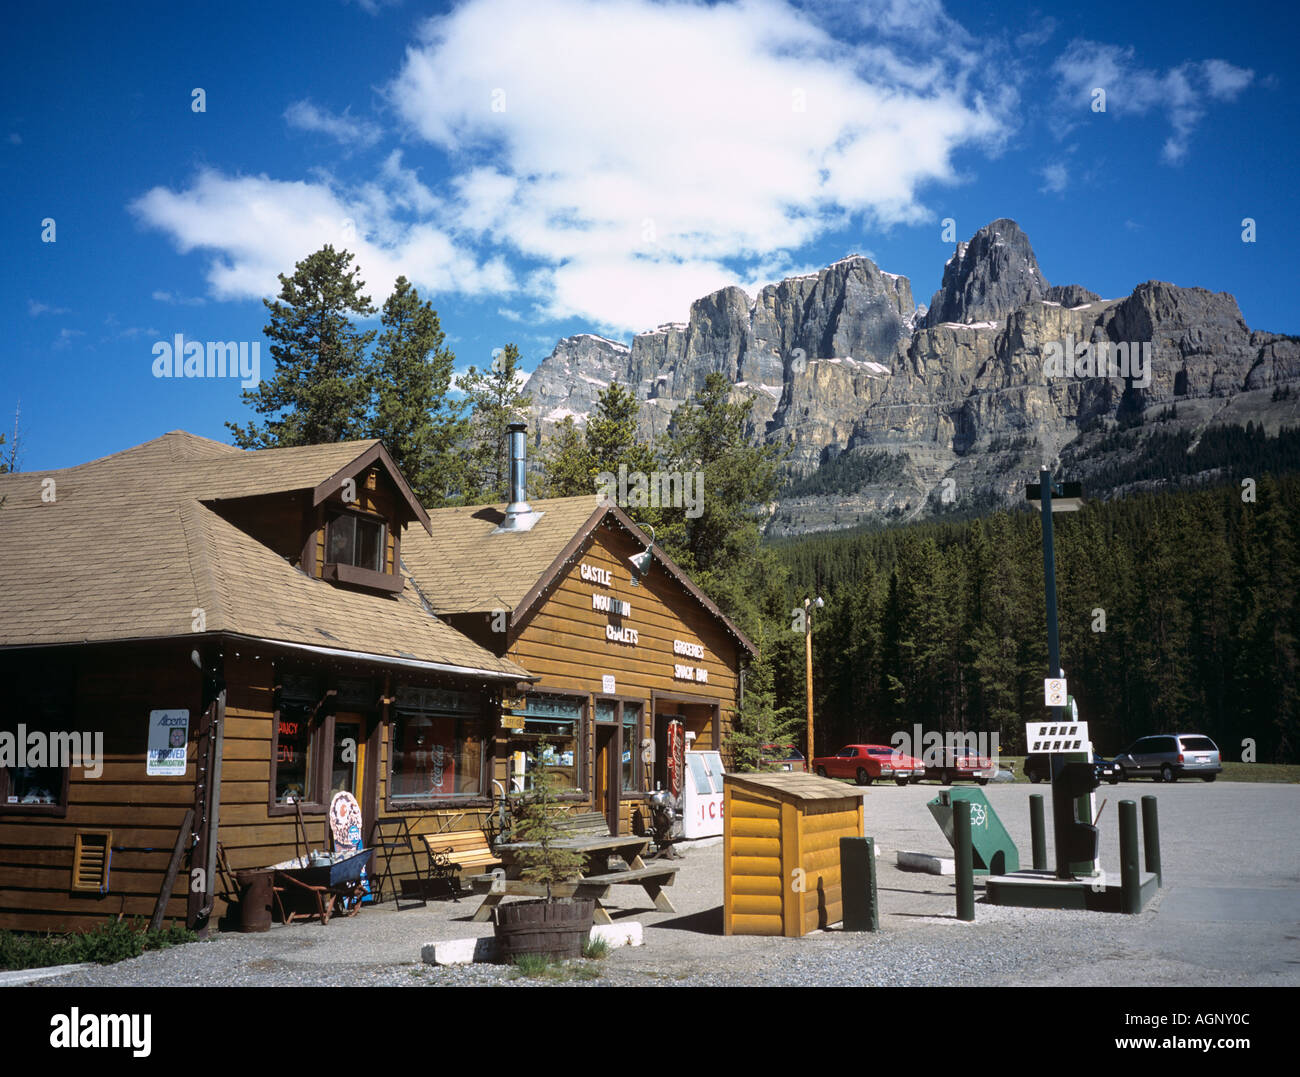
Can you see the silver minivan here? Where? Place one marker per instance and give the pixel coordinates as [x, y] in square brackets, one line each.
[1171, 756]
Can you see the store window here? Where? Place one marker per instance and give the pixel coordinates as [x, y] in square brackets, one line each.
[34, 774]
[356, 540]
[632, 727]
[558, 720]
[438, 746]
[296, 734]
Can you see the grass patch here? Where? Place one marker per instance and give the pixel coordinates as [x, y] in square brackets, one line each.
[105, 945]
[1260, 772]
[1232, 772]
[596, 949]
[537, 967]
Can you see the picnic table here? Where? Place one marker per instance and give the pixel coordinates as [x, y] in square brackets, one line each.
[595, 880]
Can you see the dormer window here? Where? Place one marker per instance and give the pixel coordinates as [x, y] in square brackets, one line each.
[357, 541]
[360, 550]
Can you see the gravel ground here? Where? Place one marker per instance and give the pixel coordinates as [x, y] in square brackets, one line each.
[1229, 915]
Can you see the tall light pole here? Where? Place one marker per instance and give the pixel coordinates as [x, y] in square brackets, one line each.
[1051, 496]
[809, 605]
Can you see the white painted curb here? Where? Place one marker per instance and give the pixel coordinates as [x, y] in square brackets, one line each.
[935, 865]
[468, 951]
[14, 977]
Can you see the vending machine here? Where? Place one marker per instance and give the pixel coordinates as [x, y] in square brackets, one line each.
[702, 795]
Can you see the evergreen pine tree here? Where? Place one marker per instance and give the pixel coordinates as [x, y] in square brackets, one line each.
[497, 399]
[419, 423]
[566, 466]
[734, 481]
[320, 391]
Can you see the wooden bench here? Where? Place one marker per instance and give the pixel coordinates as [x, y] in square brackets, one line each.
[451, 853]
[588, 824]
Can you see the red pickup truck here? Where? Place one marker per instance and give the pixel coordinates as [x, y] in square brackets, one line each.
[864, 763]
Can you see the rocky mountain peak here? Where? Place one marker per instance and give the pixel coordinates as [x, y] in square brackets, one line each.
[988, 277]
[890, 411]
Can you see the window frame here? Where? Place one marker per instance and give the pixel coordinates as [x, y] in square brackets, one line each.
[65, 710]
[484, 720]
[582, 735]
[58, 810]
[320, 732]
[637, 792]
[357, 575]
[354, 516]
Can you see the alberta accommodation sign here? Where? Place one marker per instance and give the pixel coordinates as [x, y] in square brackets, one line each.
[168, 734]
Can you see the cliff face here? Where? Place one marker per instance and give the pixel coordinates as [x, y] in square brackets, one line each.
[890, 409]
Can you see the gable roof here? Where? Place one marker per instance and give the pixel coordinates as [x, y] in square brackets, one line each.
[131, 546]
[461, 566]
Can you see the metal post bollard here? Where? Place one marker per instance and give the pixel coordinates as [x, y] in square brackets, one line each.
[858, 880]
[965, 860]
[1151, 838]
[1038, 831]
[1130, 877]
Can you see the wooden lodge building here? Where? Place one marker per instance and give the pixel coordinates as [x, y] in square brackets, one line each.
[247, 633]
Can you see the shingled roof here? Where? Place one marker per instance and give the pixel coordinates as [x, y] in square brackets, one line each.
[130, 546]
[461, 566]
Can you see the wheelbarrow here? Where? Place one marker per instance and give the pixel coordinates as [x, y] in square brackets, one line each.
[331, 886]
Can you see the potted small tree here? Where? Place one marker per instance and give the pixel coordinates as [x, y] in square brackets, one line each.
[552, 927]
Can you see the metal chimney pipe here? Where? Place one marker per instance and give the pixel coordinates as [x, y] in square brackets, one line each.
[519, 514]
[518, 471]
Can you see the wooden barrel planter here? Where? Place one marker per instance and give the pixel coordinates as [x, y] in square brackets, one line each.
[552, 929]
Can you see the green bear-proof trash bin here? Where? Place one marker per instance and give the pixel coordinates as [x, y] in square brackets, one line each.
[994, 852]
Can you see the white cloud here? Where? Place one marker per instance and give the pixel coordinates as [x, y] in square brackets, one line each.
[343, 128]
[641, 154]
[36, 308]
[1181, 92]
[258, 227]
[1055, 178]
[1225, 80]
[1039, 35]
[179, 300]
[673, 137]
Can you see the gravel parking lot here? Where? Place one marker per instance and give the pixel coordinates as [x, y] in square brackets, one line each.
[1229, 915]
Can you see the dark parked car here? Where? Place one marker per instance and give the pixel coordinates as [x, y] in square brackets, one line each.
[782, 757]
[1038, 768]
[958, 765]
[1171, 756]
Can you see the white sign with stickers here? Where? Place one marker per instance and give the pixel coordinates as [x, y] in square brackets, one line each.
[1054, 693]
[169, 733]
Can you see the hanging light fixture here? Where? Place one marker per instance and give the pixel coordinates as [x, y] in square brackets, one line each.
[642, 561]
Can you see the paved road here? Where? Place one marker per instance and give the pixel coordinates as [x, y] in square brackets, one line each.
[1229, 915]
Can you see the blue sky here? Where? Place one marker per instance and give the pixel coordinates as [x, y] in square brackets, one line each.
[544, 169]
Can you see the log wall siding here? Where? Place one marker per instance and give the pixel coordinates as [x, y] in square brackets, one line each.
[564, 643]
[115, 689]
